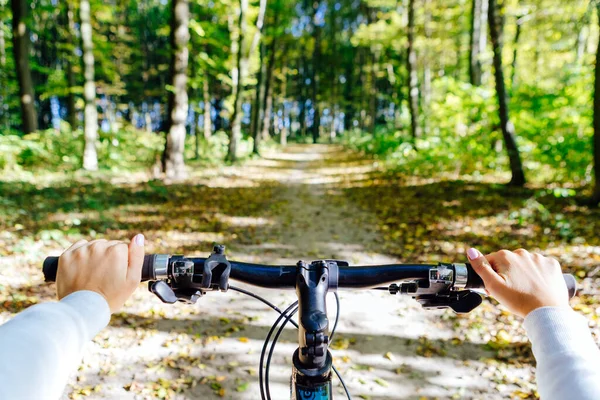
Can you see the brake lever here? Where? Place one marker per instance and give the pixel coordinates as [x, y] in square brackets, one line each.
[166, 294]
[461, 302]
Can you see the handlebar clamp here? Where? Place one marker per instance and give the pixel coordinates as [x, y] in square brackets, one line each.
[216, 262]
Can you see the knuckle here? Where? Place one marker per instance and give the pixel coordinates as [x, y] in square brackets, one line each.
[79, 253]
[118, 250]
[553, 262]
[521, 252]
[504, 254]
[96, 246]
[537, 256]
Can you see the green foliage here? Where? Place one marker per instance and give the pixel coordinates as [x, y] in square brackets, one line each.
[53, 150]
[553, 127]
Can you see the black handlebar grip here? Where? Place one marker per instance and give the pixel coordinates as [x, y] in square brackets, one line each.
[148, 268]
[51, 267]
[474, 281]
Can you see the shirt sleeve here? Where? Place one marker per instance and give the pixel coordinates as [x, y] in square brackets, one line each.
[568, 359]
[42, 346]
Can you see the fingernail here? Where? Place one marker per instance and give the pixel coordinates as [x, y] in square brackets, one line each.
[139, 239]
[473, 254]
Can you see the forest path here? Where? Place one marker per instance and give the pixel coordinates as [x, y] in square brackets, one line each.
[385, 347]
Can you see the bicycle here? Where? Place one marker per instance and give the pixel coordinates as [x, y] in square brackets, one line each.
[176, 278]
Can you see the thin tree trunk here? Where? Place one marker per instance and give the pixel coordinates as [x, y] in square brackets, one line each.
[427, 67]
[373, 94]
[348, 95]
[268, 94]
[148, 122]
[20, 31]
[413, 80]
[2, 45]
[582, 36]
[596, 195]
[508, 129]
[478, 40]
[302, 113]
[236, 74]
[4, 121]
[268, 113]
[315, 74]
[174, 163]
[284, 114]
[259, 95]
[240, 72]
[207, 108]
[581, 44]
[71, 109]
[513, 71]
[333, 78]
[197, 135]
[90, 130]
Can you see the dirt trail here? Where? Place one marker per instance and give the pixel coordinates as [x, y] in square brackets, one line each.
[388, 348]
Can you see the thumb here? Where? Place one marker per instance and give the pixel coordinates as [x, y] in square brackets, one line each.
[136, 257]
[483, 268]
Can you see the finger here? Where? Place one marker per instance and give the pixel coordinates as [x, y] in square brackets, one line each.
[483, 268]
[111, 243]
[136, 258]
[77, 244]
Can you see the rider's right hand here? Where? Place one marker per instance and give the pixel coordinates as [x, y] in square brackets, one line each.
[110, 268]
[520, 280]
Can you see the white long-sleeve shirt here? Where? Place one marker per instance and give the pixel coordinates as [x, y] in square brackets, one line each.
[42, 346]
[568, 359]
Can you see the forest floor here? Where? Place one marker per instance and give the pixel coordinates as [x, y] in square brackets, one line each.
[303, 202]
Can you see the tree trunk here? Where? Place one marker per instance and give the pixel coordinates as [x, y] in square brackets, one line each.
[197, 135]
[333, 77]
[284, 114]
[4, 120]
[240, 71]
[582, 37]
[207, 108]
[315, 74]
[303, 95]
[177, 112]
[596, 194]
[2, 46]
[413, 80]
[236, 74]
[90, 116]
[259, 95]
[427, 67]
[20, 9]
[268, 114]
[513, 71]
[373, 94]
[348, 94]
[508, 129]
[478, 39]
[268, 94]
[581, 44]
[71, 109]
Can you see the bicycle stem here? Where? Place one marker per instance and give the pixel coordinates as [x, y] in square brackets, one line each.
[312, 360]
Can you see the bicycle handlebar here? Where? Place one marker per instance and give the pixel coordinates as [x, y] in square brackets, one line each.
[156, 267]
[176, 278]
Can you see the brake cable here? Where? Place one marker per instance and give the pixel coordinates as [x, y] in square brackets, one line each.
[284, 314]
